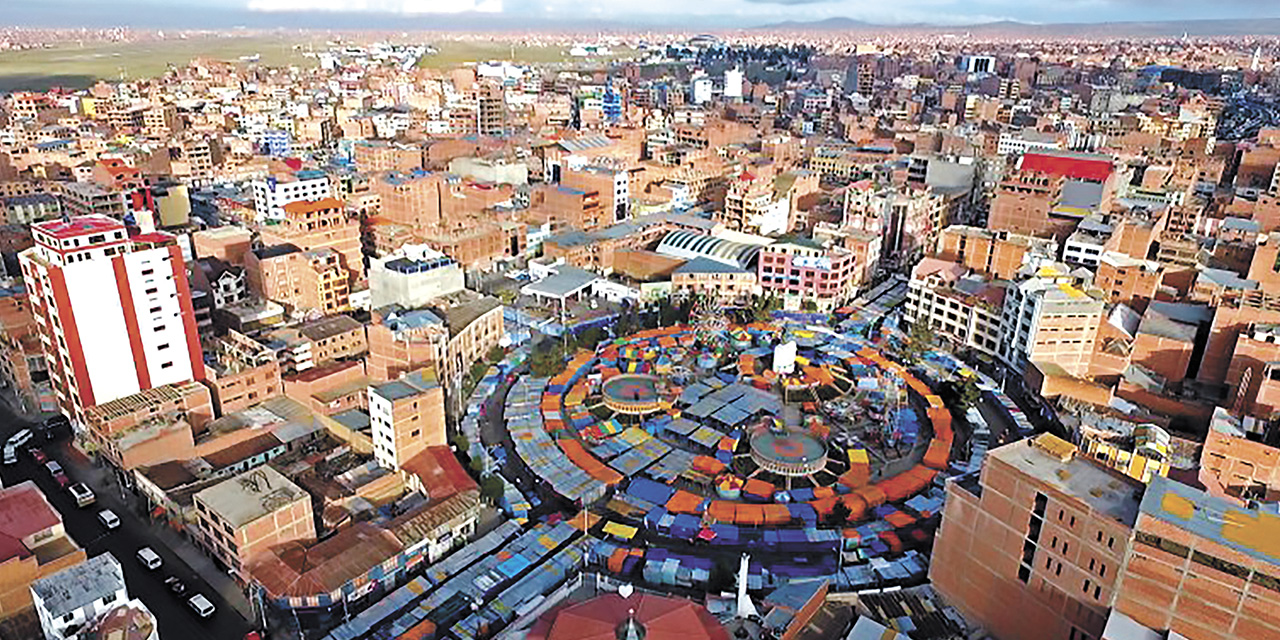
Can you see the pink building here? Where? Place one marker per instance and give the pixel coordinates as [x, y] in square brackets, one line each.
[799, 270]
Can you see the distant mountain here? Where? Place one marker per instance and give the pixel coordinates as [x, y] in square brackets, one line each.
[1146, 29]
[830, 24]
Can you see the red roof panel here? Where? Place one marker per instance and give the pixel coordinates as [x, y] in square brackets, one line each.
[1068, 166]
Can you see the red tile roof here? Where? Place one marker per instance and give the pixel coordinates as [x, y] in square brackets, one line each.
[23, 511]
[661, 617]
[440, 472]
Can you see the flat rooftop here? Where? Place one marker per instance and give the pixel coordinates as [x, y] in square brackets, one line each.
[1105, 491]
[250, 496]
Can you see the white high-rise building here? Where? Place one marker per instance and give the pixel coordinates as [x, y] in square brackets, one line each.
[272, 194]
[701, 84]
[114, 310]
[733, 83]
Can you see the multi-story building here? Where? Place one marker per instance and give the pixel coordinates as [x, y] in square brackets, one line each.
[995, 254]
[39, 547]
[299, 280]
[724, 283]
[412, 277]
[320, 225]
[1048, 318]
[799, 270]
[406, 416]
[72, 600]
[1201, 566]
[961, 307]
[1034, 547]
[270, 195]
[455, 333]
[249, 513]
[115, 311]
[242, 373]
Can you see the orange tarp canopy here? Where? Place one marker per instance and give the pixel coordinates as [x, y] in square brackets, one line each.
[757, 487]
[776, 514]
[684, 502]
[722, 510]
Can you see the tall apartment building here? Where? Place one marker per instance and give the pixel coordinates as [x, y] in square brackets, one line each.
[1035, 546]
[272, 194]
[115, 311]
[249, 513]
[1049, 319]
[405, 417]
[1202, 566]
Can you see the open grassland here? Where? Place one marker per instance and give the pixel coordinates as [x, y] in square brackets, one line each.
[453, 53]
[76, 66]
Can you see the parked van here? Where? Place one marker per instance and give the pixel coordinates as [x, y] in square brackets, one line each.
[83, 495]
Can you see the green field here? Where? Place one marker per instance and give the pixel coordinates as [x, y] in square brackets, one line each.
[74, 66]
[77, 66]
[454, 53]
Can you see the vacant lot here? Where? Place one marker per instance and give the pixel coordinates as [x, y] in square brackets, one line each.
[74, 66]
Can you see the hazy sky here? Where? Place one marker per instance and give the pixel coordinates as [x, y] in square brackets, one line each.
[671, 11]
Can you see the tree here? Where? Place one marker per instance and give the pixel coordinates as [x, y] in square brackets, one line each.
[476, 465]
[460, 443]
[968, 392]
[919, 340]
[496, 354]
[507, 296]
[491, 488]
[839, 515]
[809, 306]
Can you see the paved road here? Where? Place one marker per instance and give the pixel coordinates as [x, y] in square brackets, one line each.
[175, 620]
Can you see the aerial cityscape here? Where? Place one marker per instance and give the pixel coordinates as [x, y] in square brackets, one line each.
[742, 319]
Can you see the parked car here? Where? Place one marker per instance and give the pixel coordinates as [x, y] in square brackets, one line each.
[83, 495]
[53, 467]
[201, 605]
[20, 438]
[62, 480]
[38, 455]
[10, 455]
[109, 519]
[175, 585]
[149, 559]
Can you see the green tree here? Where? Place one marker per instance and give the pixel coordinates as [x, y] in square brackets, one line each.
[508, 296]
[809, 306]
[968, 392]
[491, 488]
[496, 354]
[919, 340]
[460, 443]
[476, 465]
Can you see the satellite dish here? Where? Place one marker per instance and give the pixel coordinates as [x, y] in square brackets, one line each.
[626, 590]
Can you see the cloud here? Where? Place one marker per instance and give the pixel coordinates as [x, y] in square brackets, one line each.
[403, 7]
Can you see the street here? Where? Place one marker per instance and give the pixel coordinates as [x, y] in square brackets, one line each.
[175, 619]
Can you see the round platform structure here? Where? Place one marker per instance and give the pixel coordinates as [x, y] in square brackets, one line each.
[788, 453]
[631, 394]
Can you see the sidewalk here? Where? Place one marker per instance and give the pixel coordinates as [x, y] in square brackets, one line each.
[102, 479]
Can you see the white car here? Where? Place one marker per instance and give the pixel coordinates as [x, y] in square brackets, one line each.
[82, 493]
[20, 438]
[149, 559]
[10, 455]
[109, 519]
[200, 605]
